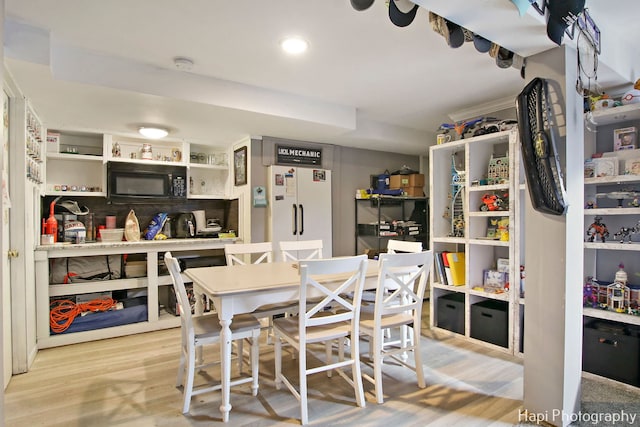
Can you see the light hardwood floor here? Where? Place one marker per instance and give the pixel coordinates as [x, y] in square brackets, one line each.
[130, 381]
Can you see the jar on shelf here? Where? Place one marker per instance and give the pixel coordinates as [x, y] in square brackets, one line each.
[146, 152]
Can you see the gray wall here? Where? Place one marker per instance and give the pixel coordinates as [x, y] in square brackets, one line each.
[351, 169]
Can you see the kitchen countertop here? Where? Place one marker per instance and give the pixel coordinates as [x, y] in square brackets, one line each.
[131, 247]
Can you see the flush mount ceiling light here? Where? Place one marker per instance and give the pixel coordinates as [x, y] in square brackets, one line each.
[294, 45]
[153, 133]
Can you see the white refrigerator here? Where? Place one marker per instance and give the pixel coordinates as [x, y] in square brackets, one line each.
[299, 206]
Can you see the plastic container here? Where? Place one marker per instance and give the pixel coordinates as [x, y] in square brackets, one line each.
[111, 234]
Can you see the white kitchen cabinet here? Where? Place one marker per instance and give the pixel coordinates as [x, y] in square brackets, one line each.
[152, 284]
[208, 172]
[460, 179]
[76, 163]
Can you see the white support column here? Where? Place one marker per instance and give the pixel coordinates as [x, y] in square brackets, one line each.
[554, 259]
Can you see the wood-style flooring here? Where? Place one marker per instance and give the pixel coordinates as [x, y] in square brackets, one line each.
[130, 381]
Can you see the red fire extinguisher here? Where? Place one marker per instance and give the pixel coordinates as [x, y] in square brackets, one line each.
[51, 224]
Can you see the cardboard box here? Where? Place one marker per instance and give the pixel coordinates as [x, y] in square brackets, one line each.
[413, 191]
[405, 181]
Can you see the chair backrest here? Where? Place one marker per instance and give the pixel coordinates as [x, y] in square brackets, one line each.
[296, 250]
[263, 252]
[395, 246]
[349, 273]
[402, 280]
[184, 305]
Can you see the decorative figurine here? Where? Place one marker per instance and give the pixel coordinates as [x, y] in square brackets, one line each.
[458, 227]
[115, 150]
[597, 228]
[627, 232]
[589, 294]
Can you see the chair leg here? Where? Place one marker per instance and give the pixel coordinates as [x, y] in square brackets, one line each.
[302, 363]
[181, 367]
[270, 331]
[255, 362]
[418, 357]
[188, 385]
[240, 348]
[328, 355]
[277, 349]
[376, 350]
[356, 371]
[404, 339]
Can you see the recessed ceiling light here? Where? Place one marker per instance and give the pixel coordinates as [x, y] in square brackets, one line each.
[153, 133]
[294, 45]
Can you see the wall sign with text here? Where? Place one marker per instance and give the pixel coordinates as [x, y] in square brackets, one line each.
[298, 155]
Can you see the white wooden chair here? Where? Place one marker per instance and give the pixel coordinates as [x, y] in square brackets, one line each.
[393, 246]
[198, 331]
[315, 325]
[403, 246]
[296, 250]
[397, 306]
[256, 253]
[242, 253]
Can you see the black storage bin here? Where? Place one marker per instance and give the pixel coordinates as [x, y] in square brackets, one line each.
[450, 312]
[612, 350]
[490, 322]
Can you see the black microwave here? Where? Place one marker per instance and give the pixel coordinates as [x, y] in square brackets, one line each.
[139, 183]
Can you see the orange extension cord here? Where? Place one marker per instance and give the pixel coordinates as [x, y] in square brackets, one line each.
[64, 312]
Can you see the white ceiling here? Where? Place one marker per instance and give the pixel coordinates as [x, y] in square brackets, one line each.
[91, 65]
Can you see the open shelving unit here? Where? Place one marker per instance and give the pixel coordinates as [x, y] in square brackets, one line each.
[374, 217]
[460, 223]
[601, 259]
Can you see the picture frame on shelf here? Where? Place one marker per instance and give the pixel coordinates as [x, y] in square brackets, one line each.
[240, 166]
[625, 138]
[492, 227]
[589, 168]
[494, 280]
[632, 166]
[605, 166]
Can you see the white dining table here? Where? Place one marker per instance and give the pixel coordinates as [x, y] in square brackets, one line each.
[239, 289]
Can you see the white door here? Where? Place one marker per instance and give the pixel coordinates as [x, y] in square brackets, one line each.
[6, 271]
[314, 207]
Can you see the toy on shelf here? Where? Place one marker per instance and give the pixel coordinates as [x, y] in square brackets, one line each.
[617, 297]
[618, 292]
[620, 196]
[590, 293]
[503, 229]
[498, 170]
[461, 127]
[626, 233]
[456, 206]
[495, 202]
[597, 228]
